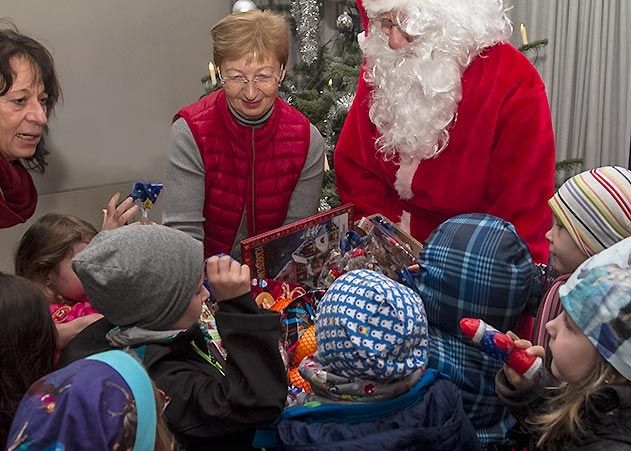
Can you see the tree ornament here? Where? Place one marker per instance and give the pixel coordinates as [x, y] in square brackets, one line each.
[335, 119]
[344, 22]
[241, 6]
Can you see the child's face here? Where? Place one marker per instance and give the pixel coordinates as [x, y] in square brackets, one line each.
[565, 255]
[194, 309]
[573, 355]
[63, 279]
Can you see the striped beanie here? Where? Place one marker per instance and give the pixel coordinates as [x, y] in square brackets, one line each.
[595, 207]
[598, 299]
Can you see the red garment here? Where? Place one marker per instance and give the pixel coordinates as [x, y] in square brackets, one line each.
[500, 157]
[247, 168]
[18, 196]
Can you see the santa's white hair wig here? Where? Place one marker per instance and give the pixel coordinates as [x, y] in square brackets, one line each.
[417, 87]
[471, 25]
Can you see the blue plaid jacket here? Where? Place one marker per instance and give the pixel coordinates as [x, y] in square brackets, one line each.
[474, 266]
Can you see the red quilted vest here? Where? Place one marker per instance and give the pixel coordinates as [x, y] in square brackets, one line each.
[247, 168]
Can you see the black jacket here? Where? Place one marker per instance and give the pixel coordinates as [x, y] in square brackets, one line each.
[607, 416]
[207, 410]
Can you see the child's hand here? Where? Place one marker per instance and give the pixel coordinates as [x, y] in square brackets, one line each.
[67, 331]
[228, 278]
[519, 382]
[117, 216]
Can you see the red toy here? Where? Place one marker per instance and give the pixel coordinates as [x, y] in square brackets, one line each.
[64, 313]
[500, 346]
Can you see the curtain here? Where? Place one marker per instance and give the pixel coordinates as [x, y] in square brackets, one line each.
[587, 70]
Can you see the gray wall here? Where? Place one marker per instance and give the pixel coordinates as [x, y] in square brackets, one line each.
[125, 66]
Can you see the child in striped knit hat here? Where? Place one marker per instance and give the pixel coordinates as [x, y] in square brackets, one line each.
[592, 211]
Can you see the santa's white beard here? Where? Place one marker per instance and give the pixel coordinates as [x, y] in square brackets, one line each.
[416, 89]
[415, 96]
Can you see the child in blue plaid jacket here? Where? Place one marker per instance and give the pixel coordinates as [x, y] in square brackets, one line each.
[590, 343]
[475, 265]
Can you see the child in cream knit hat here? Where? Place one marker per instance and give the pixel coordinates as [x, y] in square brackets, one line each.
[592, 211]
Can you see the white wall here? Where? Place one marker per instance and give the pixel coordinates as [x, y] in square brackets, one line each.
[125, 68]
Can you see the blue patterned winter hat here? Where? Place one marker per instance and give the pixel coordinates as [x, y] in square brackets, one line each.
[598, 298]
[371, 327]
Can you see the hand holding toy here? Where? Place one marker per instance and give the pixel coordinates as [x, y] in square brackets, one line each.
[500, 346]
[228, 277]
[116, 215]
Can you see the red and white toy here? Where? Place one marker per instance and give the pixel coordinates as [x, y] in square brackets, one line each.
[500, 346]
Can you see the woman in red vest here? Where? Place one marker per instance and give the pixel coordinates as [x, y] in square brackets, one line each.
[29, 90]
[242, 161]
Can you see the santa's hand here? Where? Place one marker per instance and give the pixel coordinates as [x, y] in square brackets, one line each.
[115, 216]
[228, 278]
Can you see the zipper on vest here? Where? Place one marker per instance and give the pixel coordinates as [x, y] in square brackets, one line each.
[252, 182]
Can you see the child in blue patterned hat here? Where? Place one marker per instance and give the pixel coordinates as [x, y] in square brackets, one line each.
[477, 266]
[373, 390]
[590, 343]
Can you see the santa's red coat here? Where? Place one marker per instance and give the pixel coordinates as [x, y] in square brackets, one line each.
[500, 159]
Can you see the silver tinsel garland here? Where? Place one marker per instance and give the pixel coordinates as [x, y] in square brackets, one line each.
[306, 13]
[341, 107]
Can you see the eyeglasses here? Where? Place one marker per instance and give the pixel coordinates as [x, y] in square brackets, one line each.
[238, 82]
[386, 25]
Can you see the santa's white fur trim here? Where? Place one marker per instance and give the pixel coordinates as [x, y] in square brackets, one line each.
[405, 174]
[376, 7]
[361, 37]
[406, 219]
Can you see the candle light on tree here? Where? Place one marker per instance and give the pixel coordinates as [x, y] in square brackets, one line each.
[523, 33]
[212, 73]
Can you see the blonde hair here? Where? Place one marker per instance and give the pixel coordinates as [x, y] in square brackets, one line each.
[47, 242]
[259, 34]
[562, 422]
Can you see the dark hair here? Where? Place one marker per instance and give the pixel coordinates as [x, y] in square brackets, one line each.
[14, 44]
[47, 242]
[27, 343]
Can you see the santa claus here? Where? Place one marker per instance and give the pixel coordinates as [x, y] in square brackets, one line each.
[447, 119]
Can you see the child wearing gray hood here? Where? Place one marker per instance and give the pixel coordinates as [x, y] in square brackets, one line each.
[148, 283]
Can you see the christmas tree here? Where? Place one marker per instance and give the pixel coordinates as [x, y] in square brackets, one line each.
[323, 83]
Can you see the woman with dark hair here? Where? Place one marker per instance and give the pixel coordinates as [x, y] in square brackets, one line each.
[27, 343]
[29, 90]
